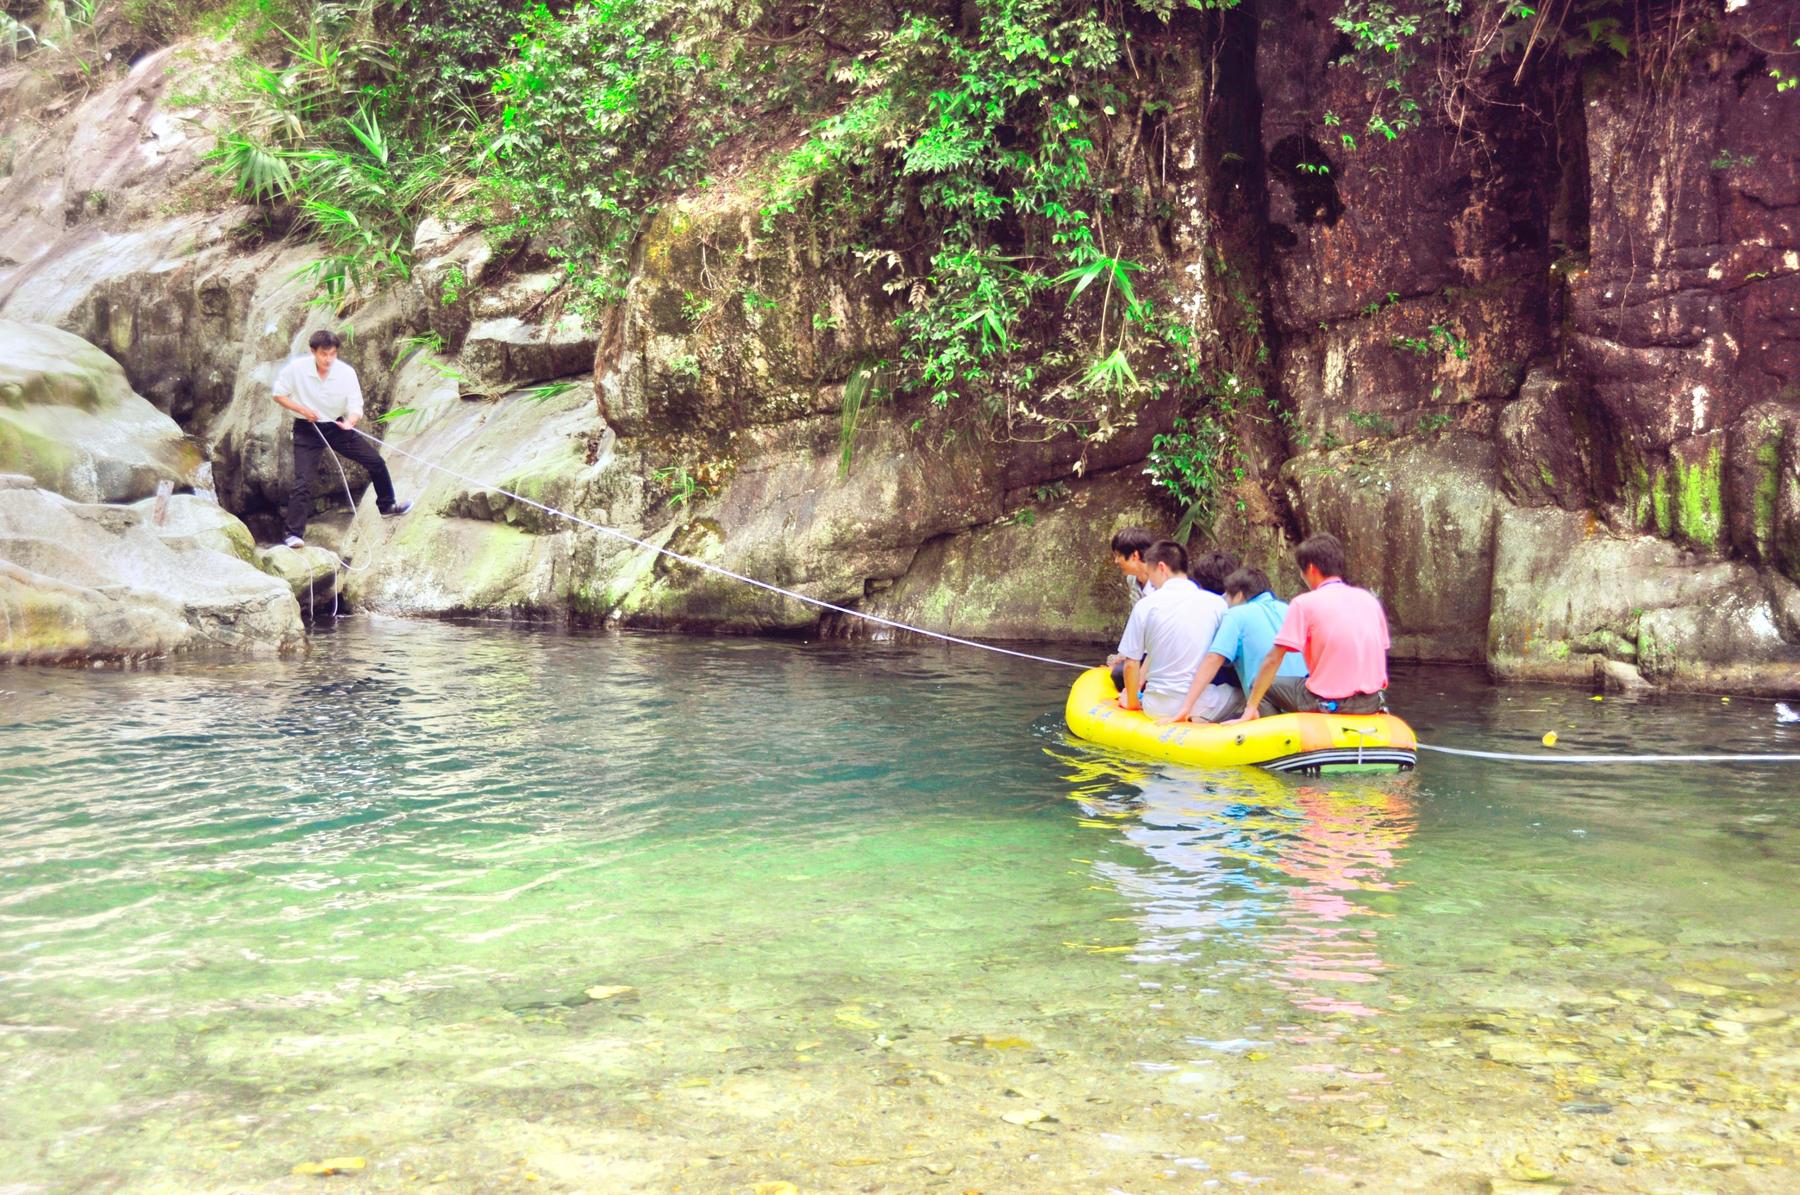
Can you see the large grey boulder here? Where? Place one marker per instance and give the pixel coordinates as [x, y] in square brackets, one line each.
[783, 515]
[1043, 571]
[81, 581]
[506, 352]
[1546, 442]
[464, 548]
[310, 572]
[69, 419]
[1416, 517]
[1569, 595]
[789, 515]
[187, 522]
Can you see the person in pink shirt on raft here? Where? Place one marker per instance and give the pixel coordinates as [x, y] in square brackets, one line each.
[1342, 632]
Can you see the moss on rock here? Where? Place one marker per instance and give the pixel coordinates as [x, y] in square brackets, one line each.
[1697, 491]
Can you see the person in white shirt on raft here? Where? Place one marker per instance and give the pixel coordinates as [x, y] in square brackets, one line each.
[326, 398]
[1173, 626]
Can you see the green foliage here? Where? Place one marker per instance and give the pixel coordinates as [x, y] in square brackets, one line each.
[1785, 80]
[866, 384]
[1386, 40]
[1193, 463]
[249, 22]
[1369, 421]
[975, 165]
[1418, 56]
[1377, 306]
[546, 391]
[606, 107]
[323, 131]
[986, 149]
[1436, 421]
[16, 37]
[1438, 338]
[410, 346]
[684, 487]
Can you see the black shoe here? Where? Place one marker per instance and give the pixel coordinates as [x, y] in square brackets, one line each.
[398, 508]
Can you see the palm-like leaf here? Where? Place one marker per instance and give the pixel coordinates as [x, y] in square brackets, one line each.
[258, 171]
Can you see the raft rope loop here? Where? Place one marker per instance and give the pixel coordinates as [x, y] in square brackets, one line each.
[975, 643]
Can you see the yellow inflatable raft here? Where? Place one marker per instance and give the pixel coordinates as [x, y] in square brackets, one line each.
[1284, 743]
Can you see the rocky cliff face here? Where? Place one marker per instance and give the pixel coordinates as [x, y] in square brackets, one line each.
[1543, 374]
[1598, 311]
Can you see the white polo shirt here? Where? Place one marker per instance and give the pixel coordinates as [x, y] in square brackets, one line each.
[333, 396]
[1174, 626]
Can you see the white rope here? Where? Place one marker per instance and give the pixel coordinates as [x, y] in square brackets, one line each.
[349, 498]
[1005, 651]
[713, 568]
[1517, 758]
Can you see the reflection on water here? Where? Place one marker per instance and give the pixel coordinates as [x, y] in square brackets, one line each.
[495, 910]
[1248, 859]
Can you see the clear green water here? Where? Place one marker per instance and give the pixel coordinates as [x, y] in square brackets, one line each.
[883, 928]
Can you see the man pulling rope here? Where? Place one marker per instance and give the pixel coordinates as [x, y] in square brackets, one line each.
[327, 398]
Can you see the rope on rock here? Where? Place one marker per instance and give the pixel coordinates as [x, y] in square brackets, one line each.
[713, 568]
[1503, 756]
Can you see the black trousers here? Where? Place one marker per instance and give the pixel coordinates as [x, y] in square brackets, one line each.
[310, 441]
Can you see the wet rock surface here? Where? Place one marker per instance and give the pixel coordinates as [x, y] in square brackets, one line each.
[1568, 593]
[69, 420]
[100, 558]
[83, 581]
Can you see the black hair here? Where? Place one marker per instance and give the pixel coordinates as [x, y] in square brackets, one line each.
[1249, 581]
[323, 340]
[1323, 552]
[1131, 541]
[1210, 569]
[1166, 551]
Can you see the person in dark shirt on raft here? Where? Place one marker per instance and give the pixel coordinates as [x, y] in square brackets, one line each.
[1128, 548]
[1340, 630]
[1208, 570]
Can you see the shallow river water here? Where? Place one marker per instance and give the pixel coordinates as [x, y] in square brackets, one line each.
[498, 910]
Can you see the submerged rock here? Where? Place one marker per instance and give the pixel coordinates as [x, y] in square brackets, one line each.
[1528, 1053]
[332, 1166]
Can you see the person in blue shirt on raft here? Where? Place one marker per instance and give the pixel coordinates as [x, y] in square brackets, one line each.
[1245, 635]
